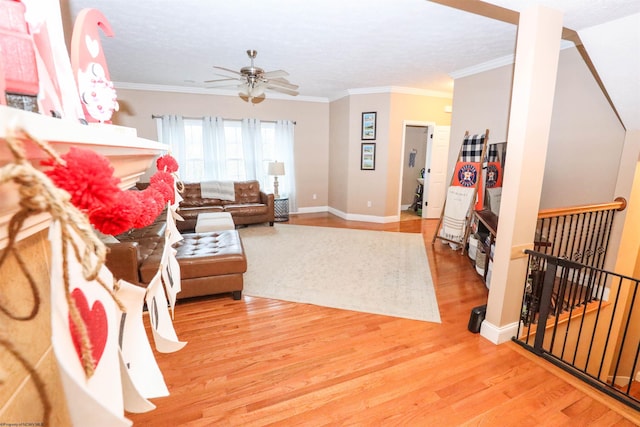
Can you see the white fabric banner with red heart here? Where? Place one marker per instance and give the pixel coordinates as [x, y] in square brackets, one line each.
[97, 400]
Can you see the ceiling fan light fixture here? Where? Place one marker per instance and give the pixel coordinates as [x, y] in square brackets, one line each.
[257, 91]
[254, 81]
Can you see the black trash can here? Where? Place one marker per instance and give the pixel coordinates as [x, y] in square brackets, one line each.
[476, 318]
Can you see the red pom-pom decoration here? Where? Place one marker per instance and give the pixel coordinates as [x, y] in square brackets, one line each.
[163, 188]
[135, 209]
[153, 201]
[112, 219]
[166, 163]
[87, 177]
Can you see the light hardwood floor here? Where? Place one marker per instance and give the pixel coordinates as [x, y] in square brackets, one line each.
[259, 362]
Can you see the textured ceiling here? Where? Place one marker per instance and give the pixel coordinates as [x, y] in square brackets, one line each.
[327, 46]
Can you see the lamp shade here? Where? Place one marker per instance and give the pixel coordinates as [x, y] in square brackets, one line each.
[276, 168]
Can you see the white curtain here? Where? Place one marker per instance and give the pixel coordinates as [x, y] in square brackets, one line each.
[213, 149]
[252, 150]
[284, 140]
[213, 164]
[173, 136]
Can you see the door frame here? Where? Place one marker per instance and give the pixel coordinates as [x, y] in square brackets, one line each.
[406, 123]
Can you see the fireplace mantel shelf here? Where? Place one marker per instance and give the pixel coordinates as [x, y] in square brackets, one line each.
[129, 155]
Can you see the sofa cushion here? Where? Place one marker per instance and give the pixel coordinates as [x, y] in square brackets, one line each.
[194, 211]
[200, 255]
[156, 230]
[192, 197]
[210, 254]
[148, 246]
[246, 192]
[248, 209]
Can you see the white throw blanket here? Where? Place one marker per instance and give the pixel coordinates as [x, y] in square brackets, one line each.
[459, 201]
[223, 190]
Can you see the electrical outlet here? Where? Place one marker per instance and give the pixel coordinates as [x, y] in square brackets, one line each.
[369, 204]
[315, 196]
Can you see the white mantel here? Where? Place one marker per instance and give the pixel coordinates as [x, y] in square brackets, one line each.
[129, 155]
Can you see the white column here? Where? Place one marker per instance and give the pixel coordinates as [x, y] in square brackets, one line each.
[534, 81]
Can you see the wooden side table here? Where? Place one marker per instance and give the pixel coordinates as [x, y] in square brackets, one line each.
[281, 209]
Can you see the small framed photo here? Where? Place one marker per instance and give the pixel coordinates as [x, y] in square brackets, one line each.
[368, 156]
[368, 126]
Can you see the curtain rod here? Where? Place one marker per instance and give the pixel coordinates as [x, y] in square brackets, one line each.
[156, 116]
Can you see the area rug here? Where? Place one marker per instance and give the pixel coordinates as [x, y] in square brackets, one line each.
[369, 271]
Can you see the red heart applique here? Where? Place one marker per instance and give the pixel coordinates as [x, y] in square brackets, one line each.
[95, 320]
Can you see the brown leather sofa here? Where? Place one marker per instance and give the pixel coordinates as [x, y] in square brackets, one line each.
[210, 263]
[251, 205]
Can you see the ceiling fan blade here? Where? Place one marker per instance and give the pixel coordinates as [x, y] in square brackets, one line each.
[221, 83]
[228, 70]
[283, 90]
[222, 80]
[282, 83]
[275, 73]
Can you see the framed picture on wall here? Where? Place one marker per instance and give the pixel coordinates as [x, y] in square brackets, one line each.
[368, 126]
[368, 156]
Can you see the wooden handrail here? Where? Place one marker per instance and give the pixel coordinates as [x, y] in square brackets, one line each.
[618, 204]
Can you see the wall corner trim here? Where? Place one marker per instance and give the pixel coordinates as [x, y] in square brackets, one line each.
[498, 334]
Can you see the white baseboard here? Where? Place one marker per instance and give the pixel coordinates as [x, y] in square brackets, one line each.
[347, 216]
[364, 218]
[312, 209]
[498, 334]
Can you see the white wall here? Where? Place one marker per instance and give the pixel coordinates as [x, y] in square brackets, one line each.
[586, 138]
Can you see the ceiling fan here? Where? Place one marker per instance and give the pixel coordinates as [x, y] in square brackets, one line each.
[254, 81]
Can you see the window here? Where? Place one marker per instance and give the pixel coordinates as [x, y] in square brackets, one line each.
[233, 147]
[194, 151]
[230, 150]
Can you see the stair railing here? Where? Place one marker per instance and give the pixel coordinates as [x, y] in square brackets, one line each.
[575, 314]
[580, 234]
[596, 339]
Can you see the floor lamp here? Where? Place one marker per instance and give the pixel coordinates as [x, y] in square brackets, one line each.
[276, 169]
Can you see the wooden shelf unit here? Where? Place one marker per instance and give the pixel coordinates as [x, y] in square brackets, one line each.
[486, 225]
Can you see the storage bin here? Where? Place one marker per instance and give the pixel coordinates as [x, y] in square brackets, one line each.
[473, 247]
[488, 278]
[481, 259]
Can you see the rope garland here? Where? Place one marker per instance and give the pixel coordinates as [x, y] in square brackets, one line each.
[37, 195]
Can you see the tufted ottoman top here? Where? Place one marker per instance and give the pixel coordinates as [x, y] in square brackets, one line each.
[202, 255]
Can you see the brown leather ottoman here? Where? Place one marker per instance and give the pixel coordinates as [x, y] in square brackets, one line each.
[210, 263]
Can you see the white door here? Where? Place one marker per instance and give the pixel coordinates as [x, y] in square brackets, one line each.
[437, 171]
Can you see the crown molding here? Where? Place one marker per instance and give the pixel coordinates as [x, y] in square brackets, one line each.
[399, 89]
[389, 89]
[271, 95]
[496, 63]
[205, 91]
[485, 66]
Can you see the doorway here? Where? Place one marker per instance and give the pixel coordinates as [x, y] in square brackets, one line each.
[425, 147]
[415, 160]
